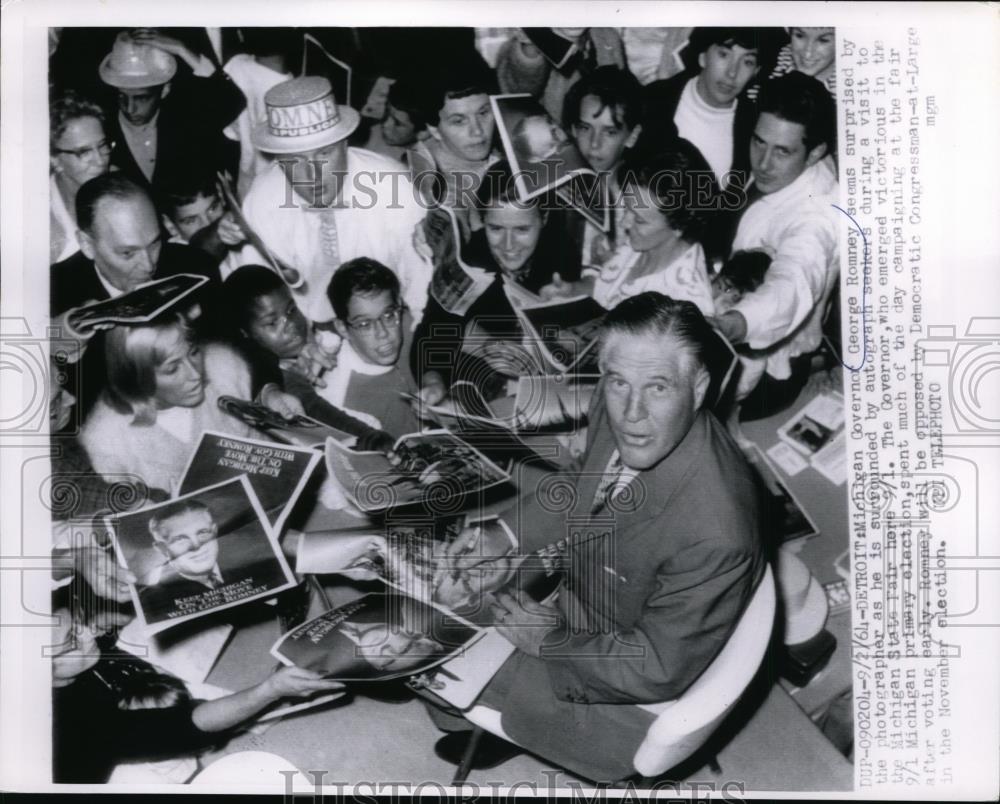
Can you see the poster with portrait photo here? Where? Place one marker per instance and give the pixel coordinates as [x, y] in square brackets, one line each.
[277, 472]
[200, 553]
[413, 556]
[379, 637]
[541, 155]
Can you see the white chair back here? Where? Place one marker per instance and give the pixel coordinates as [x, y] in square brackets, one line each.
[251, 768]
[683, 725]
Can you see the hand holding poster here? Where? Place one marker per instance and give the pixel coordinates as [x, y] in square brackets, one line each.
[199, 554]
[455, 284]
[544, 158]
[381, 636]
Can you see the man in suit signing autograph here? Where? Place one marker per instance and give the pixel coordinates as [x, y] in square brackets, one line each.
[647, 606]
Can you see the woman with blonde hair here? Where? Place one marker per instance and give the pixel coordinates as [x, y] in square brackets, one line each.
[162, 393]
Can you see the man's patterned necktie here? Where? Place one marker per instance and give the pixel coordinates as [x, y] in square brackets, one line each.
[609, 482]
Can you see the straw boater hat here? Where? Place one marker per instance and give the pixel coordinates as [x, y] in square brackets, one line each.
[133, 65]
[303, 115]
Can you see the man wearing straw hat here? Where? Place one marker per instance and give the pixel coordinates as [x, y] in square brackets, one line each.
[165, 121]
[323, 203]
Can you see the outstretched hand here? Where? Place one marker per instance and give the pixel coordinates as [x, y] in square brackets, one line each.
[313, 361]
[557, 289]
[296, 682]
[284, 404]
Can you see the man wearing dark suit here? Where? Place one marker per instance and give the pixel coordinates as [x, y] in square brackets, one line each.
[165, 119]
[198, 561]
[647, 607]
[122, 247]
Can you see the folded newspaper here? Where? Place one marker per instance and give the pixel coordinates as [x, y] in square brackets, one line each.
[563, 333]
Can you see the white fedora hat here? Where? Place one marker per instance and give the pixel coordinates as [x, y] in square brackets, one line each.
[805, 606]
[133, 65]
[303, 115]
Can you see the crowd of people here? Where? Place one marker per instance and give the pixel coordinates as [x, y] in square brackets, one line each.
[198, 151]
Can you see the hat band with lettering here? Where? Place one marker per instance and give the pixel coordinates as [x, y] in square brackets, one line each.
[302, 116]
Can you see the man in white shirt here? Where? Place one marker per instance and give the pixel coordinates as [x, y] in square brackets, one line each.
[323, 203]
[796, 223]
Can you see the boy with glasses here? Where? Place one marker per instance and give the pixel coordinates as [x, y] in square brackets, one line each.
[370, 375]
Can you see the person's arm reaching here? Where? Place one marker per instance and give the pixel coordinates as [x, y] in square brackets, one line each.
[231, 710]
[793, 285]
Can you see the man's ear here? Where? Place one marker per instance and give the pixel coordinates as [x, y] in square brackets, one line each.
[816, 154]
[86, 244]
[633, 138]
[701, 59]
[433, 131]
[341, 328]
[701, 384]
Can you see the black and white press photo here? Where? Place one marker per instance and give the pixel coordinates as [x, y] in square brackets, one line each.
[528, 396]
[205, 551]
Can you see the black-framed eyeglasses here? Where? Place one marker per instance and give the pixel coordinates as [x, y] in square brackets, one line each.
[103, 148]
[366, 326]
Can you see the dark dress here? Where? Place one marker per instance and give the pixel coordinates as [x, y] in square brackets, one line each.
[91, 734]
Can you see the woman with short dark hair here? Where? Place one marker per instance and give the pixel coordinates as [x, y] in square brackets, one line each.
[668, 199]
